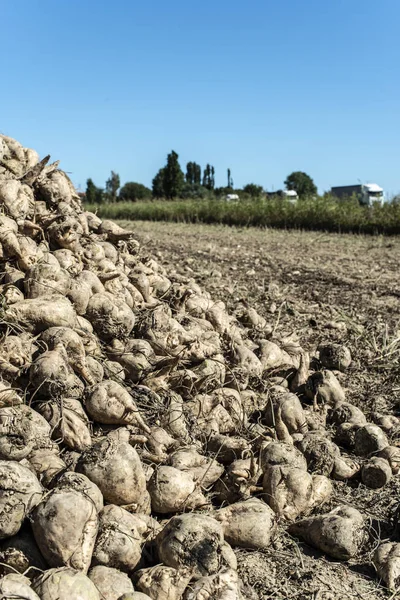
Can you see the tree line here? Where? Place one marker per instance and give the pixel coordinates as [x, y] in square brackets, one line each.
[171, 182]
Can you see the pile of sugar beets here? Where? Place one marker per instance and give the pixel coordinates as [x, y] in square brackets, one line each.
[145, 433]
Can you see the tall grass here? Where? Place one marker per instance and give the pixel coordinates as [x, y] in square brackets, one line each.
[325, 214]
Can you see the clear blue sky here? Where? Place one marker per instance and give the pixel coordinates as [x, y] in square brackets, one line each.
[264, 87]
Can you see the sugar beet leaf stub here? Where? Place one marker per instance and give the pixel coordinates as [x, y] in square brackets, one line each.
[146, 433]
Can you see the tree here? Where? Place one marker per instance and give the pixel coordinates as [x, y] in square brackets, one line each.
[158, 184]
[192, 187]
[90, 194]
[93, 194]
[189, 173]
[206, 176]
[101, 196]
[197, 174]
[230, 180]
[301, 183]
[173, 176]
[112, 185]
[194, 191]
[193, 173]
[132, 191]
[253, 190]
[209, 177]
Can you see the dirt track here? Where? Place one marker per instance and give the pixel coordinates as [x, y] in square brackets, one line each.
[323, 287]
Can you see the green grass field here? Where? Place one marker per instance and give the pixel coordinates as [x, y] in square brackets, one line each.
[316, 214]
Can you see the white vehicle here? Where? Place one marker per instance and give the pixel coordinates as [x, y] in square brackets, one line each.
[231, 197]
[290, 195]
[368, 194]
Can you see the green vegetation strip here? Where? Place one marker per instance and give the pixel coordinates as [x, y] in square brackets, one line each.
[314, 214]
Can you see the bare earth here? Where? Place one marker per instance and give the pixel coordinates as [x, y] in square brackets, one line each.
[323, 287]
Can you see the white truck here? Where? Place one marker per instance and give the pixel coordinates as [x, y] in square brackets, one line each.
[290, 195]
[368, 194]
